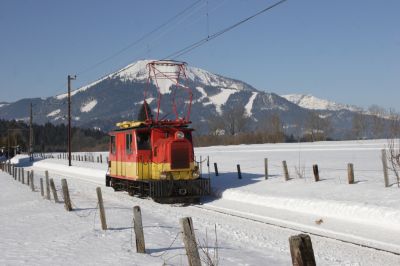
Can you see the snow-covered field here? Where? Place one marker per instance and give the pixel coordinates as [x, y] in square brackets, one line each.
[354, 224]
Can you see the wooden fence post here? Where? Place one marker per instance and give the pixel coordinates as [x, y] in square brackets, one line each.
[266, 168]
[41, 187]
[385, 168]
[28, 178]
[23, 176]
[67, 199]
[101, 208]
[53, 189]
[238, 171]
[216, 169]
[316, 172]
[189, 240]
[47, 185]
[32, 183]
[19, 174]
[101, 158]
[138, 227]
[350, 173]
[285, 171]
[301, 250]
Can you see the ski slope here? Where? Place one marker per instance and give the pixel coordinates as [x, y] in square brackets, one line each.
[349, 224]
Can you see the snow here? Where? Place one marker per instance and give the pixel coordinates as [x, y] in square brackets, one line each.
[254, 216]
[138, 71]
[314, 103]
[88, 106]
[4, 104]
[249, 106]
[54, 113]
[220, 99]
[203, 93]
[81, 89]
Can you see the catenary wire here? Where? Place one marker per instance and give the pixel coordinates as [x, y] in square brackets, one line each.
[199, 43]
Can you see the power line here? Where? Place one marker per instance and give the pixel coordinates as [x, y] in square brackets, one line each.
[163, 25]
[199, 43]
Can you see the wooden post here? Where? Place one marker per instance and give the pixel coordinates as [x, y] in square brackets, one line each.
[47, 185]
[101, 208]
[41, 187]
[239, 172]
[350, 173]
[385, 168]
[19, 174]
[189, 240]
[301, 250]
[101, 158]
[67, 199]
[138, 227]
[316, 172]
[285, 171]
[28, 178]
[53, 189]
[216, 169]
[266, 168]
[23, 176]
[32, 184]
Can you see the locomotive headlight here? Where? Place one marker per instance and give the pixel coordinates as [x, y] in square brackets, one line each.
[179, 135]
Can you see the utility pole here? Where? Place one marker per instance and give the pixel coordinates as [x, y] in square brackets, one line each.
[8, 144]
[31, 135]
[69, 117]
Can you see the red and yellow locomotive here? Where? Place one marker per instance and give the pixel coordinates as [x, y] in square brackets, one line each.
[155, 157]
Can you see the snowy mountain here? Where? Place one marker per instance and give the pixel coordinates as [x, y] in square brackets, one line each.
[118, 96]
[3, 104]
[314, 103]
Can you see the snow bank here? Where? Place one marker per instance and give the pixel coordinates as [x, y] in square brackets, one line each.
[352, 211]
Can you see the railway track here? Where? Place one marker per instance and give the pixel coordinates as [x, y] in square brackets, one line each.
[231, 213]
[202, 207]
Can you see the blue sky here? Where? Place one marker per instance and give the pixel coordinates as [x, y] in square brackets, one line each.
[346, 51]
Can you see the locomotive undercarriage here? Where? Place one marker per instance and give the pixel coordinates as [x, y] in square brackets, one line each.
[163, 191]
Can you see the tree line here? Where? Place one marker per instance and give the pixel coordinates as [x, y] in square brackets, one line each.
[50, 138]
[233, 127]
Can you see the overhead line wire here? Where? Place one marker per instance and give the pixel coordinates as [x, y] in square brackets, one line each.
[140, 39]
[199, 43]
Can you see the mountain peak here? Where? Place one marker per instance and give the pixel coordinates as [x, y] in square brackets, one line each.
[138, 72]
[311, 102]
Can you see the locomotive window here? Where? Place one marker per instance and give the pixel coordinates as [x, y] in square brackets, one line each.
[143, 140]
[112, 141]
[128, 143]
[188, 136]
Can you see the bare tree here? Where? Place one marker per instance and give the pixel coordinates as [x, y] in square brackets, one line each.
[394, 158]
[272, 128]
[359, 127]
[378, 124]
[234, 119]
[394, 124]
[317, 126]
